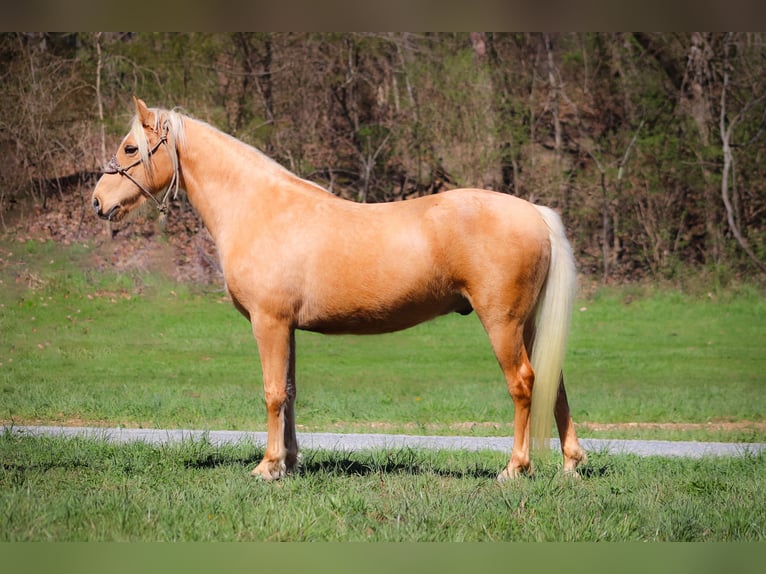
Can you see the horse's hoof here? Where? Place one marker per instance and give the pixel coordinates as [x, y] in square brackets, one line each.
[508, 475]
[572, 474]
[269, 470]
[513, 473]
[572, 462]
[292, 463]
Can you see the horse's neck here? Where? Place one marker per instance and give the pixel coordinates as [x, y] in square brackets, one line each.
[224, 178]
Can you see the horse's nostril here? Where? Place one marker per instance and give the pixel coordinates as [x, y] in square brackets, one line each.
[96, 204]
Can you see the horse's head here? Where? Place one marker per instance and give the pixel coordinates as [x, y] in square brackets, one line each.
[145, 164]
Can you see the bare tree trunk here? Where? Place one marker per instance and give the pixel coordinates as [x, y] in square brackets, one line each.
[405, 59]
[555, 92]
[99, 100]
[728, 160]
[257, 55]
[484, 47]
[556, 89]
[604, 225]
[101, 125]
[695, 102]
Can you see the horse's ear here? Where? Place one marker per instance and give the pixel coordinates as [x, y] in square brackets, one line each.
[144, 115]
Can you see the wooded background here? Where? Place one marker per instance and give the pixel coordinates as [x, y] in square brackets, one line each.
[650, 145]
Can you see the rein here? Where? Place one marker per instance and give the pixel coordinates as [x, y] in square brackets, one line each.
[114, 167]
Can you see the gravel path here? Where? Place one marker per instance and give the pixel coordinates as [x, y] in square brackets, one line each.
[354, 442]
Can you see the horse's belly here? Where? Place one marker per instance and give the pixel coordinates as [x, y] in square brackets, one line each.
[383, 318]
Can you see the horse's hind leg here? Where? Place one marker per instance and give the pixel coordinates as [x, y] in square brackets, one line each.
[570, 446]
[276, 345]
[507, 342]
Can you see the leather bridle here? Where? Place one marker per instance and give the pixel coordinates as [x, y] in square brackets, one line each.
[114, 167]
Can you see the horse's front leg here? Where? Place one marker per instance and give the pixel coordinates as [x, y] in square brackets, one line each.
[276, 346]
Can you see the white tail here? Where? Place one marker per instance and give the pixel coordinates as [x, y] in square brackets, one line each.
[552, 321]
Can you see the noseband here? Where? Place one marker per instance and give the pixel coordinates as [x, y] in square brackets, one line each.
[114, 167]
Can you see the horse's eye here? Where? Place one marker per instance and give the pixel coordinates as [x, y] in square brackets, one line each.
[130, 149]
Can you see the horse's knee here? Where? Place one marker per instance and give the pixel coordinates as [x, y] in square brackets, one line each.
[275, 400]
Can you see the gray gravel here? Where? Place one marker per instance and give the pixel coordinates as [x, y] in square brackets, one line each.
[355, 442]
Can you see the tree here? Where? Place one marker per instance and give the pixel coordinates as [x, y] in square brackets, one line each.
[650, 144]
[727, 127]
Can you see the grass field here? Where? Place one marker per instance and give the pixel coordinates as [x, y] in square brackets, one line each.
[79, 346]
[75, 490]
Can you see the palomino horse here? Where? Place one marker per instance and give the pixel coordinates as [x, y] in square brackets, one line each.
[297, 257]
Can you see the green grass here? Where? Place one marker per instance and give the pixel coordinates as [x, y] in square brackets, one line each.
[87, 490]
[79, 346]
[669, 357]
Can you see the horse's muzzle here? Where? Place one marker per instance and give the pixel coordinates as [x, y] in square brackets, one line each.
[108, 215]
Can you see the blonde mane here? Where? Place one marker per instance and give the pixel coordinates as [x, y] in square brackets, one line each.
[171, 123]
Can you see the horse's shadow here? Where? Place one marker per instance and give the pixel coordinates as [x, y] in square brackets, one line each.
[400, 461]
[594, 470]
[341, 463]
[403, 462]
